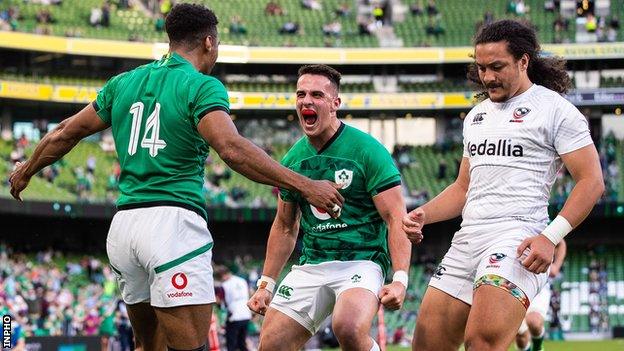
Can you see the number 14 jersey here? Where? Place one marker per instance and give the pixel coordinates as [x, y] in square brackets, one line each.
[154, 111]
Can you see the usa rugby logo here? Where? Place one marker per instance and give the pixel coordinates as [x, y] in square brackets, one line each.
[497, 257]
[320, 213]
[519, 113]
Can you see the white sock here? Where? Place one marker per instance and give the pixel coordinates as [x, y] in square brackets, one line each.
[375, 346]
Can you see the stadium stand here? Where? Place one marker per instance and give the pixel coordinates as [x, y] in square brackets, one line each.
[444, 23]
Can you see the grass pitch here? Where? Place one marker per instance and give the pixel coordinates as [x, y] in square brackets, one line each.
[606, 345]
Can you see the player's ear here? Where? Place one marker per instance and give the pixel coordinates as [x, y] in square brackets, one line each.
[524, 62]
[337, 102]
[209, 43]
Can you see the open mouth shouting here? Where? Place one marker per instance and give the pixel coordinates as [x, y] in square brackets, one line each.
[309, 116]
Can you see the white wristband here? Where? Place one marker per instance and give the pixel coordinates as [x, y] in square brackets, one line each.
[267, 283]
[557, 229]
[401, 277]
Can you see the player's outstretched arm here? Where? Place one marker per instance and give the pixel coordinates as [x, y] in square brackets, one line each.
[55, 145]
[281, 244]
[446, 205]
[584, 166]
[249, 160]
[391, 207]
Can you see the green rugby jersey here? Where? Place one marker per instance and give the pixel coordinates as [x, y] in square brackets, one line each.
[153, 111]
[365, 167]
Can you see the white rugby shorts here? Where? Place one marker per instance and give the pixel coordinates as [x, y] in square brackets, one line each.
[161, 255]
[486, 254]
[309, 292]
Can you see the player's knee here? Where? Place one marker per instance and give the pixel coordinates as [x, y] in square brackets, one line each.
[350, 332]
[482, 341]
[522, 340]
[535, 323]
[268, 341]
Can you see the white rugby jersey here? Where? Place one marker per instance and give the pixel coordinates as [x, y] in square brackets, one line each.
[513, 148]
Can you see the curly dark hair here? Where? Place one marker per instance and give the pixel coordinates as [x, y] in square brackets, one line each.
[521, 39]
[322, 70]
[190, 24]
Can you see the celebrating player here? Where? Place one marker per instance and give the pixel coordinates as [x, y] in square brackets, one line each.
[514, 144]
[344, 259]
[163, 116]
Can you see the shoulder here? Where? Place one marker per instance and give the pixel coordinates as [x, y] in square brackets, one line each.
[558, 105]
[294, 152]
[481, 107]
[199, 79]
[361, 140]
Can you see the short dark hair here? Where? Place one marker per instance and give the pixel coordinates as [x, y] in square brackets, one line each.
[322, 70]
[190, 24]
[521, 39]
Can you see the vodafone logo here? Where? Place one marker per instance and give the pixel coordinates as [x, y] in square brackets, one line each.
[179, 281]
[320, 213]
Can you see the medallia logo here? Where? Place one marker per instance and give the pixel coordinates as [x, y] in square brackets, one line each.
[179, 281]
[500, 147]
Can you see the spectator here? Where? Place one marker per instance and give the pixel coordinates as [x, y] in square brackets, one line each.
[435, 26]
[378, 14]
[398, 335]
[237, 26]
[95, 18]
[290, 27]
[273, 9]
[343, 10]
[159, 24]
[105, 22]
[432, 9]
[591, 25]
[442, 166]
[91, 164]
[165, 7]
[235, 296]
[333, 28]
[488, 17]
[365, 26]
[416, 8]
[311, 4]
[44, 17]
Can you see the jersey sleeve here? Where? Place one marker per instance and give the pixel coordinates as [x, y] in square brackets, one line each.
[211, 96]
[465, 148]
[571, 130]
[285, 194]
[381, 172]
[103, 103]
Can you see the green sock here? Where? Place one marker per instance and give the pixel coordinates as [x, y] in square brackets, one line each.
[537, 343]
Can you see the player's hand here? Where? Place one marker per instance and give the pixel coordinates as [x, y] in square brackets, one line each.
[554, 271]
[413, 224]
[540, 252]
[259, 301]
[18, 180]
[324, 194]
[392, 295]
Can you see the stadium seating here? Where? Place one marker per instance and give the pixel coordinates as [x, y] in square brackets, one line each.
[459, 22]
[421, 175]
[575, 287]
